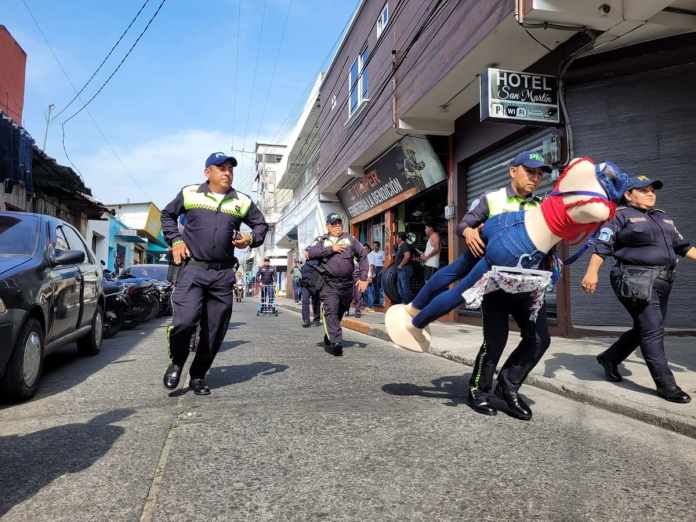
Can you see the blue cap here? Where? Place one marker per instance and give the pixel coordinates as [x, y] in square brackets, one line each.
[642, 182]
[531, 160]
[218, 158]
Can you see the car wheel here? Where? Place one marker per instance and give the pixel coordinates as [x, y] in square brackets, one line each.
[23, 371]
[90, 344]
[114, 322]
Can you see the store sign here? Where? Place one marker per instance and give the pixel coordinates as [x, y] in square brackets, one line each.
[412, 163]
[519, 97]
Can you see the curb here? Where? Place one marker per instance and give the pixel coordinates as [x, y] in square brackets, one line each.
[577, 393]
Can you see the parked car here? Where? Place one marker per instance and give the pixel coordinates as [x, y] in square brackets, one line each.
[159, 274]
[50, 294]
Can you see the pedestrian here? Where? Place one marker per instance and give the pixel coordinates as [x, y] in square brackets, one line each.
[431, 256]
[337, 251]
[405, 256]
[296, 278]
[369, 295]
[377, 267]
[645, 243]
[311, 283]
[204, 287]
[357, 294]
[266, 277]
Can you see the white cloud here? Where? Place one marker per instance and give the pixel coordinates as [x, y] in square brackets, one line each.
[161, 166]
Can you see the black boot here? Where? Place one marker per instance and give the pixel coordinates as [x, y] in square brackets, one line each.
[611, 371]
[199, 387]
[480, 403]
[516, 405]
[336, 349]
[673, 394]
[327, 341]
[172, 376]
[306, 325]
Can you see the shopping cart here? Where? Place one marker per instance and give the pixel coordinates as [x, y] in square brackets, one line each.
[267, 305]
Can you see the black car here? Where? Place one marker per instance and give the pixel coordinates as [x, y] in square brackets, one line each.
[50, 294]
[159, 274]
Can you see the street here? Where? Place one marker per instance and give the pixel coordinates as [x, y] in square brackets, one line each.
[292, 433]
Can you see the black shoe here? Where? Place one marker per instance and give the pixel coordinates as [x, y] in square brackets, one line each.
[316, 322]
[327, 341]
[611, 371]
[199, 387]
[516, 405]
[480, 403]
[306, 325]
[172, 376]
[674, 394]
[336, 349]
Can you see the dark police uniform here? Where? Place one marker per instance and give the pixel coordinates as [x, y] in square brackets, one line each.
[204, 286]
[310, 284]
[643, 242]
[266, 276]
[337, 292]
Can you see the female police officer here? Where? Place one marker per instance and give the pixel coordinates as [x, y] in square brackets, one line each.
[645, 243]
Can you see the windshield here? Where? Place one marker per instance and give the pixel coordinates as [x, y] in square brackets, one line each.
[153, 271]
[17, 236]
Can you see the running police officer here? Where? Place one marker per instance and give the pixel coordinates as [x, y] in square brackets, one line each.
[526, 170]
[204, 286]
[645, 243]
[266, 277]
[337, 250]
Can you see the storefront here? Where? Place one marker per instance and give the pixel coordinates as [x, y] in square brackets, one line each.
[402, 191]
[630, 106]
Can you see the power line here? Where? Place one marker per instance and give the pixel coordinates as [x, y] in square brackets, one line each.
[108, 55]
[94, 121]
[101, 88]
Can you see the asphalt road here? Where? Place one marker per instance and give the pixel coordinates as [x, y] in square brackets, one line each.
[292, 433]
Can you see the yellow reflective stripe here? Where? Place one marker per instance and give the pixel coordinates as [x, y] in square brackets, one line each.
[235, 206]
[499, 202]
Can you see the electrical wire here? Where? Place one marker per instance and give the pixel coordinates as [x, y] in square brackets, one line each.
[105, 83]
[108, 55]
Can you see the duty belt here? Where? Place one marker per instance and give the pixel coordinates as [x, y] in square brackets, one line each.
[211, 265]
[666, 273]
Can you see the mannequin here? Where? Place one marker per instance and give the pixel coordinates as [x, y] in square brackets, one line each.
[584, 196]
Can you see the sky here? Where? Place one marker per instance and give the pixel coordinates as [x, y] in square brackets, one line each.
[206, 76]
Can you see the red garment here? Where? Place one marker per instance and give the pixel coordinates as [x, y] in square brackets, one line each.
[555, 212]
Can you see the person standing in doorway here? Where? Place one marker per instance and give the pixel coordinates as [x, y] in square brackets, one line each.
[376, 266]
[431, 257]
[404, 267]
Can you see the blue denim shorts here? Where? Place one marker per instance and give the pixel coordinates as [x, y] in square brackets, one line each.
[507, 241]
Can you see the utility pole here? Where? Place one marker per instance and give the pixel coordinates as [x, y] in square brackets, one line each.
[48, 122]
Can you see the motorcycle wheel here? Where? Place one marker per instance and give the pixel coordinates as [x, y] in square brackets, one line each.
[154, 308]
[113, 322]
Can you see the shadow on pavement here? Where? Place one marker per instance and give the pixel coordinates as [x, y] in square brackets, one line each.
[32, 461]
[452, 388]
[229, 345]
[227, 375]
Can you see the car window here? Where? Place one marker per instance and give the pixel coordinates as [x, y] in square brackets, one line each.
[76, 242]
[61, 242]
[18, 236]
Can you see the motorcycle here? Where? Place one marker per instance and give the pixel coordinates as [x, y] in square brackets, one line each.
[144, 297]
[117, 303]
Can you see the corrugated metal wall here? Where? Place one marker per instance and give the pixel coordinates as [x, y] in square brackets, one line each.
[646, 123]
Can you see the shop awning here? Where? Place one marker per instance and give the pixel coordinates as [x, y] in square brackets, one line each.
[130, 238]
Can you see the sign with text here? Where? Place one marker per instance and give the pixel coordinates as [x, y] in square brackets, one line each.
[519, 97]
[411, 163]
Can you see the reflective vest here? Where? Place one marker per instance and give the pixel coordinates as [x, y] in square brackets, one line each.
[499, 202]
[234, 204]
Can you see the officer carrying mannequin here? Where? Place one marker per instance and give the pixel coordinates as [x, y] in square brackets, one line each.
[645, 242]
[337, 250]
[204, 285]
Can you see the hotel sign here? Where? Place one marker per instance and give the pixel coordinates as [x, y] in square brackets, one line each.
[519, 97]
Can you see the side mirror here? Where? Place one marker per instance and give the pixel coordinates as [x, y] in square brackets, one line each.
[68, 257]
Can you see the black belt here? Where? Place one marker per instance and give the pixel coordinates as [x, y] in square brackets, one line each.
[666, 273]
[211, 265]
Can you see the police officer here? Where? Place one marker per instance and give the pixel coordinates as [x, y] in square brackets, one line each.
[337, 250]
[204, 286]
[266, 277]
[645, 243]
[310, 285]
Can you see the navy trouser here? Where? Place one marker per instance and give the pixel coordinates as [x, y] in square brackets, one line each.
[507, 242]
[336, 296]
[377, 286]
[307, 298]
[496, 309]
[206, 296]
[648, 332]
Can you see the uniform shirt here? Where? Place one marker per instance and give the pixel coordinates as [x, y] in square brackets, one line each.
[266, 275]
[211, 223]
[340, 265]
[641, 237]
[480, 210]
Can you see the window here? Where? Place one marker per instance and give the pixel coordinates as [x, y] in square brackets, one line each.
[18, 236]
[61, 242]
[333, 102]
[76, 242]
[358, 83]
[383, 20]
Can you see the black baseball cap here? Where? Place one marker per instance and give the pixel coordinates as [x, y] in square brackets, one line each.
[334, 218]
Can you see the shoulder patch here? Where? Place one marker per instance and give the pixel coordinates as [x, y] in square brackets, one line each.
[605, 234]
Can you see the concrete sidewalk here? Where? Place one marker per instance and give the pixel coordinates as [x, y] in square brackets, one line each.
[569, 368]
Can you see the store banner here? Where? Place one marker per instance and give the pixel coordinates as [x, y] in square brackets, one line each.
[410, 164]
[519, 97]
